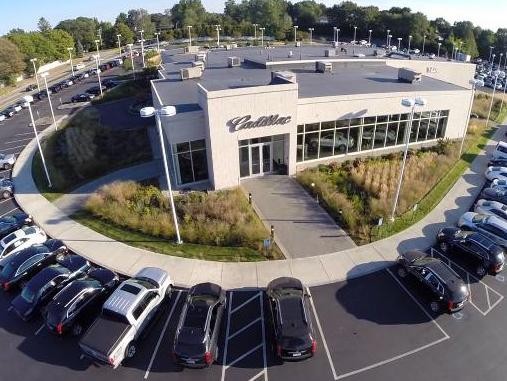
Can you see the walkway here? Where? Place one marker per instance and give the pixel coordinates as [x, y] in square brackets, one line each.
[302, 227]
[321, 269]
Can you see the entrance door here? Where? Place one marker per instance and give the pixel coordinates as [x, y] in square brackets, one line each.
[260, 159]
[255, 160]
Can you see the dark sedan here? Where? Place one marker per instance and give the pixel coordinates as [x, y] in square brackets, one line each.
[449, 291]
[18, 268]
[95, 90]
[487, 256]
[196, 340]
[497, 163]
[494, 194]
[291, 319]
[12, 223]
[82, 98]
[43, 286]
[9, 112]
[109, 83]
[78, 303]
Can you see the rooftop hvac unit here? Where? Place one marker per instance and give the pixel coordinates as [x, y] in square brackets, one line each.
[198, 64]
[233, 61]
[200, 56]
[323, 67]
[330, 52]
[409, 75]
[190, 72]
[283, 77]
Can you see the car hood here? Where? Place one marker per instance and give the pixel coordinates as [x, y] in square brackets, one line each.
[457, 290]
[296, 343]
[466, 218]
[22, 307]
[189, 350]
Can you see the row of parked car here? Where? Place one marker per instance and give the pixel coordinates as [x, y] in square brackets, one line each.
[490, 76]
[73, 295]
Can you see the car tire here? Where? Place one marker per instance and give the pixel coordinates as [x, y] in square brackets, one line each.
[480, 270]
[402, 272]
[435, 306]
[6, 194]
[444, 246]
[130, 351]
[77, 329]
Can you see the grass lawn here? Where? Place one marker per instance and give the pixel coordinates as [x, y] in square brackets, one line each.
[165, 246]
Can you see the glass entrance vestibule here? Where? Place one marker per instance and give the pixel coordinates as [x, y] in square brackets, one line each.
[260, 156]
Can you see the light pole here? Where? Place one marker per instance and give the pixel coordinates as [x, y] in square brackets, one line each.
[438, 51]
[158, 41]
[504, 88]
[311, 35]
[399, 43]
[142, 47]
[44, 75]
[390, 38]
[97, 45]
[255, 31]
[295, 34]
[338, 35]
[119, 43]
[409, 41]
[492, 99]
[424, 43]
[29, 99]
[355, 31]
[132, 60]
[407, 102]
[98, 73]
[452, 54]
[460, 46]
[490, 52]
[70, 57]
[100, 36]
[493, 59]
[334, 34]
[473, 82]
[217, 27]
[189, 35]
[262, 36]
[167, 111]
[500, 61]
[387, 38]
[369, 36]
[33, 60]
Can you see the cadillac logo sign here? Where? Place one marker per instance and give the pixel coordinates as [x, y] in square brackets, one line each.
[243, 122]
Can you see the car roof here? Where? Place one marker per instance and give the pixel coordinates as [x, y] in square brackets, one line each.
[481, 240]
[497, 222]
[46, 275]
[69, 292]
[285, 282]
[126, 296]
[153, 273]
[207, 288]
[294, 320]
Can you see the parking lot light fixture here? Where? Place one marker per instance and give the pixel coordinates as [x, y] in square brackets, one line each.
[338, 35]
[409, 41]
[97, 45]
[29, 99]
[474, 83]
[132, 60]
[387, 38]
[492, 100]
[189, 35]
[70, 57]
[119, 43]
[438, 51]
[334, 34]
[424, 43]
[158, 41]
[399, 43]
[33, 61]
[295, 34]
[355, 33]
[310, 30]
[98, 73]
[490, 52]
[166, 111]
[412, 103]
[262, 36]
[369, 36]
[142, 47]
[44, 75]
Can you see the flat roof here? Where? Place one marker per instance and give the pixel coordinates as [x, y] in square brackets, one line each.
[350, 75]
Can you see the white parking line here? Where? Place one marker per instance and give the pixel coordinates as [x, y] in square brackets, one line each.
[5, 200]
[9, 148]
[243, 356]
[10, 211]
[243, 328]
[10, 308]
[161, 336]
[226, 336]
[24, 133]
[17, 141]
[244, 303]
[39, 330]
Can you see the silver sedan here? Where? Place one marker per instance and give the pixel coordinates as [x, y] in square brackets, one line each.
[492, 227]
[7, 161]
[492, 208]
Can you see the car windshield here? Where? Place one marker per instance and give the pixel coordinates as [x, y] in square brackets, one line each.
[28, 294]
[293, 316]
[29, 230]
[479, 218]
[8, 219]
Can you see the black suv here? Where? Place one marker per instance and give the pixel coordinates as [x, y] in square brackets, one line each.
[81, 98]
[196, 339]
[12, 223]
[18, 268]
[291, 319]
[447, 287]
[43, 286]
[78, 304]
[488, 256]
[93, 90]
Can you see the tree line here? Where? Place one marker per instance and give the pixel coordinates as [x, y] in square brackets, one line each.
[243, 18]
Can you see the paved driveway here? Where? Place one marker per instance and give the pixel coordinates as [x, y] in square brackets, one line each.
[302, 227]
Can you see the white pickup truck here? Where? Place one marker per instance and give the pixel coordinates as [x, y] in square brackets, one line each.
[125, 315]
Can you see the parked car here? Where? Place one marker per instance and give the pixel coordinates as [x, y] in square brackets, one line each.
[79, 66]
[196, 339]
[95, 90]
[494, 208]
[21, 105]
[18, 268]
[9, 224]
[449, 292]
[491, 226]
[109, 83]
[494, 173]
[21, 239]
[79, 303]
[17, 107]
[9, 112]
[340, 142]
[294, 336]
[487, 256]
[6, 188]
[126, 314]
[82, 98]
[498, 183]
[67, 82]
[7, 160]
[31, 87]
[40, 95]
[500, 151]
[43, 286]
[2, 117]
[495, 194]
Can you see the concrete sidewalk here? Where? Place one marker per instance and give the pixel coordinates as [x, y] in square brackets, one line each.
[302, 228]
[313, 271]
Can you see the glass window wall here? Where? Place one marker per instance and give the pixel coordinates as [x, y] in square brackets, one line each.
[191, 162]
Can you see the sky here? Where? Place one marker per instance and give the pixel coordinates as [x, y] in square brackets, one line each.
[489, 14]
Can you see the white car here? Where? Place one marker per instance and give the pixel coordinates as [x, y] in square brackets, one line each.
[493, 208]
[432, 56]
[21, 239]
[497, 183]
[492, 227]
[2, 117]
[17, 108]
[494, 173]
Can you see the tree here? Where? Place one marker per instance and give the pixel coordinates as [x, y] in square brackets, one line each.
[161, 21]
[44, 25]
[305, 13]
[485, 39]
[11, 61]
[127, 36]
[139, 19]
[188, 12]
[79, 49]
[122, 18]
[83, 29]
[60, 40]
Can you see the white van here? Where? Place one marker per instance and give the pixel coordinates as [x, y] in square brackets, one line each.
[500, 151]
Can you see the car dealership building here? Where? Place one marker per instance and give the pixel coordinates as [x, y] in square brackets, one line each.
[244, 112]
